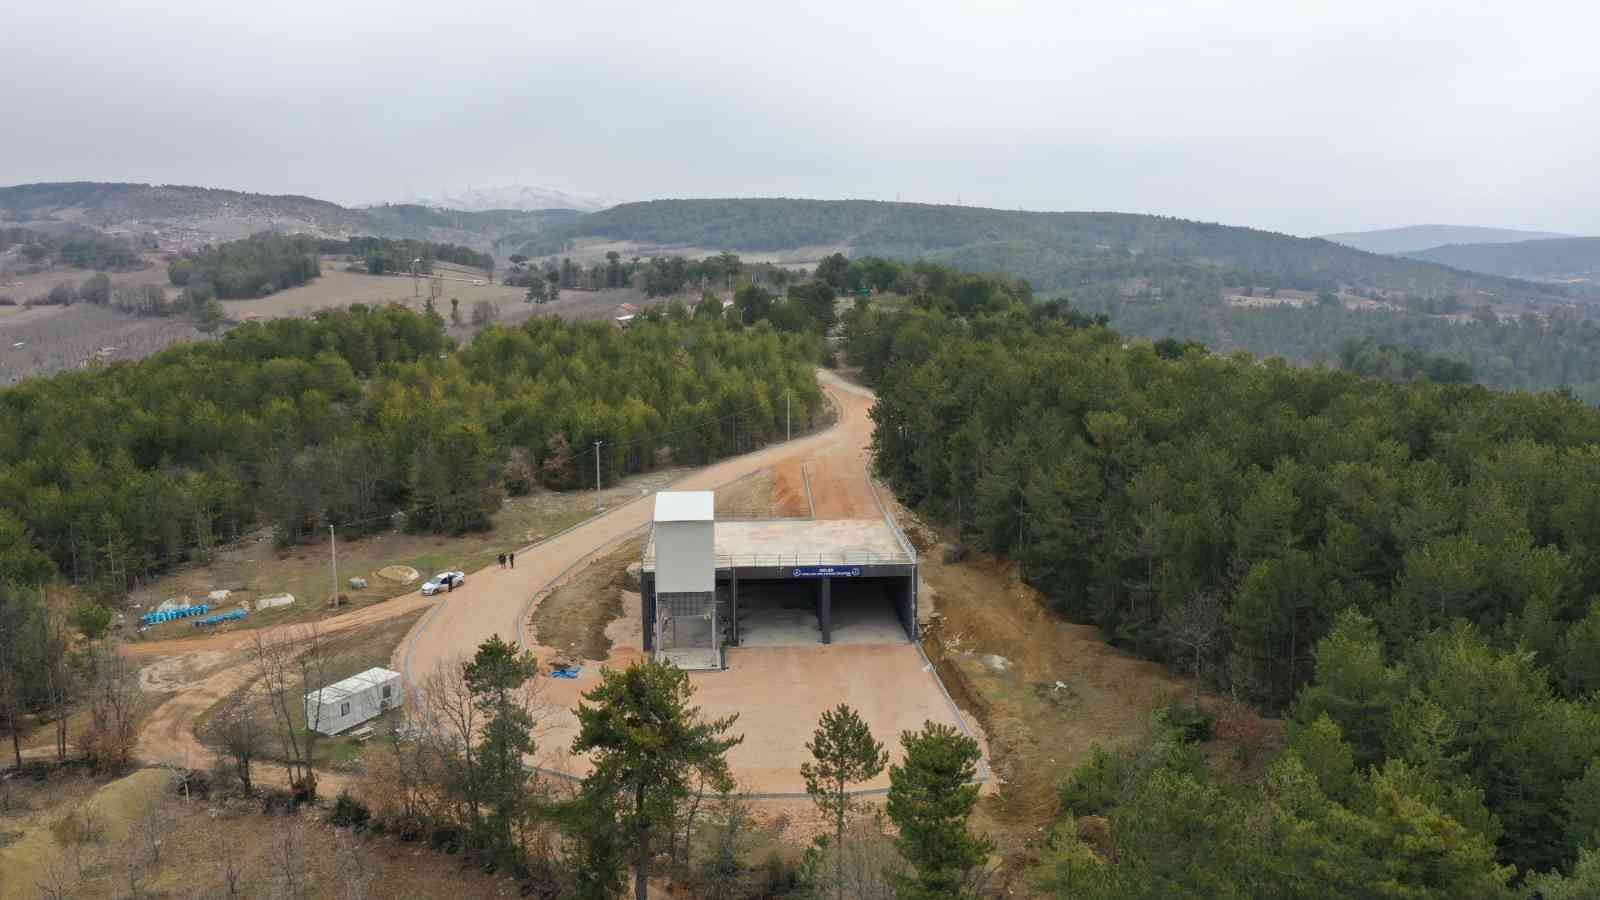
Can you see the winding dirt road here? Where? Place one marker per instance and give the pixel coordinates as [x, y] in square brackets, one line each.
[497, 601]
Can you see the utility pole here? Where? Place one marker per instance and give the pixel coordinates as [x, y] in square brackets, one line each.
[597, 506]
[333, 548]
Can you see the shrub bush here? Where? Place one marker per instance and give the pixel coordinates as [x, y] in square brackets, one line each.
[348, 812]
[1191, 723]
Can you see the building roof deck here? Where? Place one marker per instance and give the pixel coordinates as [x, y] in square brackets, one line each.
[802, 542]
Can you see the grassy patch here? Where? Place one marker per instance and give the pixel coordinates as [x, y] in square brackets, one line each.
[573, 618]
[346, 654]
[201, 839]
[254, 569]
[751, 497]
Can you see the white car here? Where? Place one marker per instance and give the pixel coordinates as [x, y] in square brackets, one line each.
[442, 582]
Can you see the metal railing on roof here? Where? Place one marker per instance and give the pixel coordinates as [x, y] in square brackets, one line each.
[790, 560]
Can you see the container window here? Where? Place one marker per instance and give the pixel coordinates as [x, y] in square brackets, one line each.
[344, 710]
[388, 691]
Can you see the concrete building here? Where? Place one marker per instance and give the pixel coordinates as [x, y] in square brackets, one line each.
[346, 704]
[780, 582]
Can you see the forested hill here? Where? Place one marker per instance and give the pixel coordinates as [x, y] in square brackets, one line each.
[106, 203]
[221, 214]
[1416, 238]
[1561, 258]
[1407, 571]
[1052, 250]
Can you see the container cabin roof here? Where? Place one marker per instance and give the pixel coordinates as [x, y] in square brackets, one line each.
[355, 684]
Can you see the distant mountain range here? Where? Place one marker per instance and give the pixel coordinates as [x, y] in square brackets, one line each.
[1415, 238]
[1553, 259]
[1055, 251]
[515, 196]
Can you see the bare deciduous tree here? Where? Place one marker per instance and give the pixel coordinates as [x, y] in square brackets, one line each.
[149, 830]
[115, 702]
[288, 856]
[243, 739]
[451, 719]
[79, 830]
[230, 875]
[355, 870]
[1196, 625]
[58, 882]
[292, 665]
[52, 647]
[133, 866]
[867, 864]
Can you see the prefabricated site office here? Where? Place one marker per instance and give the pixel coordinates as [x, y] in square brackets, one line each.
[707, 584]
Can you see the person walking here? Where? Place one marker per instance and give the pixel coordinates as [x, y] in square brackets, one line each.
[501, 559]
[513, 558]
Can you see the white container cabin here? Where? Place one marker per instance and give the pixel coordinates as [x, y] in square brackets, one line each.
[346, 704]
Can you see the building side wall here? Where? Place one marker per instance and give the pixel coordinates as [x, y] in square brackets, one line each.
[365, 704]
[685, 557]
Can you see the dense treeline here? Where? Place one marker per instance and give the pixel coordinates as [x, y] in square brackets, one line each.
[1525, 353]
[356, 415]
[1368, 357]
[1414, 561]
[254, 267]
[383, 255]
[79, 249]
[265, 263]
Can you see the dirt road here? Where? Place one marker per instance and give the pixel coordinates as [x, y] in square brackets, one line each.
[496, 601]
[778, 694]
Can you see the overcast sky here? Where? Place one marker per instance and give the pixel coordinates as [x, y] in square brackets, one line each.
[1297, 115]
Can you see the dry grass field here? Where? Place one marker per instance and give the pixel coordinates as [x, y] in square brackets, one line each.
[253, 569]
[44, 339]
[25, 287]
[337, 288]
[67, 835]
[55, 338]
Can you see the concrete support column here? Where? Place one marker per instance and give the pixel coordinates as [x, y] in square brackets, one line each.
[733, 603]
[825, 609]
[647, 609]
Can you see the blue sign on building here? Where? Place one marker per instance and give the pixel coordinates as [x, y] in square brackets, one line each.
[826, 572]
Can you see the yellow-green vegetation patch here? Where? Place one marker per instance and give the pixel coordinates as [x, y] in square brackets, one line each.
[572, 619]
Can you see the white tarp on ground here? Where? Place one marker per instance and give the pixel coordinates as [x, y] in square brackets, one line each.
[270, 602]
[346, 704]
[218, 596]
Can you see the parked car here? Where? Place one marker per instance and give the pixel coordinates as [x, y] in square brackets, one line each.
[443, 582]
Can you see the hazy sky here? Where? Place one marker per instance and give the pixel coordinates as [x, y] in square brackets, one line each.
[1294, 115]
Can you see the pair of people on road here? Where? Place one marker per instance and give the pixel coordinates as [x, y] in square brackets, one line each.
[508, 560]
